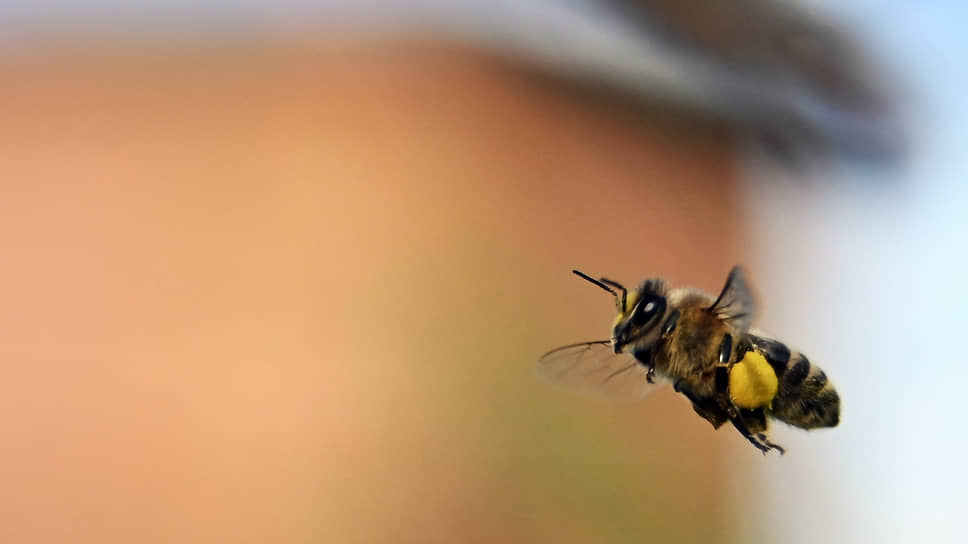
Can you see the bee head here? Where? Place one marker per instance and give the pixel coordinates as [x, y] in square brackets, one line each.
[640, 312]
[638, 323]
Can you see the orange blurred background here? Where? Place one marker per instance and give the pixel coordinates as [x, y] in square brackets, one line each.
[296, 292]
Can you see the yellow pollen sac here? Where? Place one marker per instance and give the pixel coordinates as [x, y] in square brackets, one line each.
[752, 382]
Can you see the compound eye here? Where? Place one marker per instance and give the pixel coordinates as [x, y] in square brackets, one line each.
[647, 310]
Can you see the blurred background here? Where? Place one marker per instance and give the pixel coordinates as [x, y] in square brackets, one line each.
[280, 272]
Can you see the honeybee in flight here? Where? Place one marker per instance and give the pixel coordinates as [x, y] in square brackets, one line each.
[706, 349]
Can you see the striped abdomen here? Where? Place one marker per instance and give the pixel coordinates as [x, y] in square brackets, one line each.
[804, 397]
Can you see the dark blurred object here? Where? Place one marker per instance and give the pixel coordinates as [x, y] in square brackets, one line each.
[768, 36]
[791, 78]
[835, 95]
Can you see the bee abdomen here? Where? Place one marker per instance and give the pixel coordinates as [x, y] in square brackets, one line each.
[805, 397]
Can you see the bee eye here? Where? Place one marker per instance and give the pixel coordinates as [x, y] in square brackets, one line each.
[647, 311]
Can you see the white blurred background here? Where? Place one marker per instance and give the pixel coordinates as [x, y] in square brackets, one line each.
[880, 271]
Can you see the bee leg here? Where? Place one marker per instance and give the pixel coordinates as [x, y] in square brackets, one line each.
[755, 421]
[646, 358]
[777, 447]
[722, 386]
[725, 349]
[670, 323]
[722, 381]
[741, 427]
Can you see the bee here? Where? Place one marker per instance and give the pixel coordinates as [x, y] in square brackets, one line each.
[706, 349]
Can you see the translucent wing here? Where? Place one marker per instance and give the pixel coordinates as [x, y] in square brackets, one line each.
[735, 303]
[593, 367]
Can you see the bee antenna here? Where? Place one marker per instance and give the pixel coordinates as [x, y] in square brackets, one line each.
[604, 284]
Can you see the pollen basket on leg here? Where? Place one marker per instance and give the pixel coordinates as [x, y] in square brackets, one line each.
[752, 382]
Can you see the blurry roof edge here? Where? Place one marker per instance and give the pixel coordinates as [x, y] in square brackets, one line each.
[629, 51]
[598, 41]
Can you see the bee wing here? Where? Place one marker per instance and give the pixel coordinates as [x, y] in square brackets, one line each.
[593, 367]
[735, 303]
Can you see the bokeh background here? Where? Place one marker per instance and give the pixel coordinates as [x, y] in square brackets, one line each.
[281, 272]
